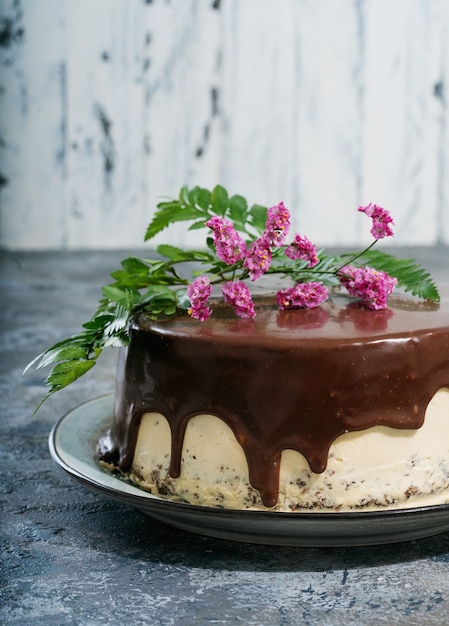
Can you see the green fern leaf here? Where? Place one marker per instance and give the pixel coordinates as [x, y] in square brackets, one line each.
[169, 213]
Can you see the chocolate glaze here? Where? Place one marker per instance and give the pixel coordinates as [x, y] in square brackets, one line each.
[285, 380]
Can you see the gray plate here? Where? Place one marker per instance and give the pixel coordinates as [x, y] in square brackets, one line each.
[72, 444]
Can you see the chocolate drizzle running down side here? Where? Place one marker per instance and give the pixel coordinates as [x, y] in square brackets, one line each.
[285, 380]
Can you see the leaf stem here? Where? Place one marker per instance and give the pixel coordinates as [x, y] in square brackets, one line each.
[356, 256]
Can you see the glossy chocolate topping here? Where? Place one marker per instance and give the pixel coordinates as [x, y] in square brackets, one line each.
[285, 380]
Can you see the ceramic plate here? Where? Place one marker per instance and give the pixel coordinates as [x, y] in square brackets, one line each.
[72, 445]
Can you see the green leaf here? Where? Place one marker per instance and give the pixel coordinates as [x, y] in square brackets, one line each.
[98, 322]
[178, 255]
[198, 204]
[204, 199]
[117, 322]
[121, 276]
[69, 352]
[238, 208]
[133, 265]
[71, 348]
[200, 199]
[219, 200]
[116, 294]
[66, 373]
[299, 271]
[168, 213]
[184, 195]
[171, 252]
[156, 267]
[197, 225]
[116, 341]
[257, 217]
[157, 296]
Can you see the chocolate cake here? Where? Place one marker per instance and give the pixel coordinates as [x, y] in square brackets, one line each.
[332, 394]
[333, 408]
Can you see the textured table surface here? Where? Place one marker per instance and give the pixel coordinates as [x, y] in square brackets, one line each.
[70, 556]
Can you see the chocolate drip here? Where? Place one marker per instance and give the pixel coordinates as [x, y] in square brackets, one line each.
[286, 380]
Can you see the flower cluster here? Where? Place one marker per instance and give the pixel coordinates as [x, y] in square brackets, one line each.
[277, 225]
[381, 220]
[229, 245]
[238, 295]
[302, 248]
[254, 259]
[368, 284]
[199, 293]
[302, 296]
[258, 258]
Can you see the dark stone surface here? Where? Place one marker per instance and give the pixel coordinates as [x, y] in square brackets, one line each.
[70, 556]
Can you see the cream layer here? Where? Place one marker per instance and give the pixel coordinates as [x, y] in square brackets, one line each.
[380, 467]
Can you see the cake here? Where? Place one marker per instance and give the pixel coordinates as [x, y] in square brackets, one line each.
[327, 389]
[333, 408]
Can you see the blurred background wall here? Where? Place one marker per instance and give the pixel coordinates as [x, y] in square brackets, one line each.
[107, 106]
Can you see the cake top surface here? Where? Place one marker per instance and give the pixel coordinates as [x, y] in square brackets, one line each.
[339, 319]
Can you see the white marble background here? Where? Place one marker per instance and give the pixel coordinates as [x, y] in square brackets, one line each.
[108, 105]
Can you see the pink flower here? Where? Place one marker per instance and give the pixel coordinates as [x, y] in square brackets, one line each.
[370, 285]
[238, 296]
[199, 293]
[258, 258]
[302, 296]
[229, 245]
[277, 225]
[302, 248]
[381, 220]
